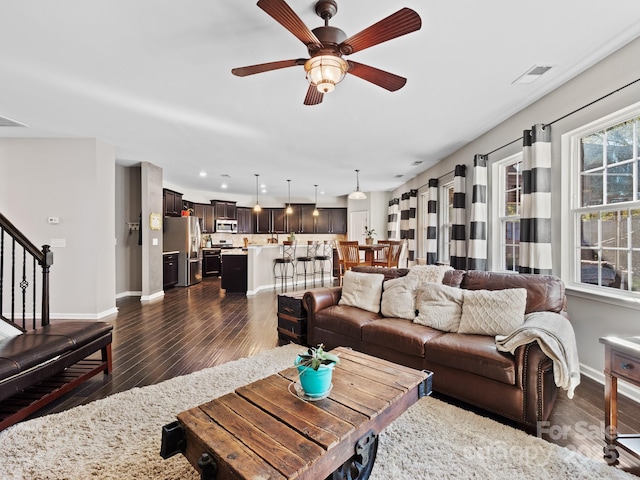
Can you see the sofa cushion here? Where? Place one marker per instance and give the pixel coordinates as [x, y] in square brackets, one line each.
[439, 307]
[498, 312]
[429, 273]
[389, 272]
[362, 290]
[344, 319]
[78, 332]
[400, 335]
[398, 298]
[28, 350]
[472, 353]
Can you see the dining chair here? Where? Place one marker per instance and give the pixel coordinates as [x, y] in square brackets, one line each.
[381, 255]
[390, 254]
[349, 256]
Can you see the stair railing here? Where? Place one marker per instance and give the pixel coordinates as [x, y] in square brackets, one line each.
[19, 262]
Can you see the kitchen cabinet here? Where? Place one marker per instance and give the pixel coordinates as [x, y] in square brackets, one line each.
[205, 213]
[172, 203]
[302, 219]
[245, 223]
[224, 210]
[234, 273]
[331, 220]
[270, 220]
[169, 269]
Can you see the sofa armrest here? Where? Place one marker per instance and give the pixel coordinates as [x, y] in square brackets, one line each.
[535, 378]
[316, 300]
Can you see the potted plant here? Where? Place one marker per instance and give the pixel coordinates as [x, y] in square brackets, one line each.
[292, 237]
[315, 369]
[369, 233]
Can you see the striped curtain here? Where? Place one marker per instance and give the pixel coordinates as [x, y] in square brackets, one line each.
[409, 223]
[393, 219]
[535, 220]
[478, 225]
[431, 242]
[458, 250]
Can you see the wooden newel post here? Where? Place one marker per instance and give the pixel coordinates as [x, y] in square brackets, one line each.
[47, 255]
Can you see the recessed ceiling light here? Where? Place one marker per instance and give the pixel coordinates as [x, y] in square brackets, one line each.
[203, 174]
[264, 190]
[417, 162]
[399, 176]
[224, 185]
[225, 175]
[531, 75]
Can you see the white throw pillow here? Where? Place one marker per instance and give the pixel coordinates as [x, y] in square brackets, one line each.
[362, 290]
[429, 273]
[399, 298]
[493, 312]
[439, 306]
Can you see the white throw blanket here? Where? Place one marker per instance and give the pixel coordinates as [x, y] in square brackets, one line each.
[556, 338]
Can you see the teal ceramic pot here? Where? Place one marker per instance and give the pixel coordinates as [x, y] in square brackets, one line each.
[315, 383]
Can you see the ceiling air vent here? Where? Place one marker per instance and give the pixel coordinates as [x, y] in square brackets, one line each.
[531, 75]
[5, 122]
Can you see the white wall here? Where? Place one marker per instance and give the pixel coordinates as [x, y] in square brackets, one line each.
[74, 181]
[591, 316]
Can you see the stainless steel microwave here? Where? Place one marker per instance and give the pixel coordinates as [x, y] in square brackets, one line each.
[226, 226]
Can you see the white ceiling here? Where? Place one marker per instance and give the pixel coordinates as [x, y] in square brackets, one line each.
[153, 78]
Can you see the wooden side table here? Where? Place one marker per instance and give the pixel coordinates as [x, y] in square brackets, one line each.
[621, 361]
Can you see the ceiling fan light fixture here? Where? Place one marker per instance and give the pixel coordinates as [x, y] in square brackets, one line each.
[325, 71]
[357, 194]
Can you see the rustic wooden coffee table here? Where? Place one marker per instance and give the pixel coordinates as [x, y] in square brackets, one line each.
[264, 431]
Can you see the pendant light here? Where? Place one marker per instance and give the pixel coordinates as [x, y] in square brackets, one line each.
[316, 213]
[357, 194]
[257, 207]
[289, 210]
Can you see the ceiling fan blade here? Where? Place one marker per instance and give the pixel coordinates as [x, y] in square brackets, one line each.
[285, 16]
[266, 67]
[400, 23]
[314, 97]
[386, 80]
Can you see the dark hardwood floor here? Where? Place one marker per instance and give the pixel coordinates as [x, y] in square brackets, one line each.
[201, 326]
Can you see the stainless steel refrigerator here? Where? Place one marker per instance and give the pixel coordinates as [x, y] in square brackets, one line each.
[182, 234]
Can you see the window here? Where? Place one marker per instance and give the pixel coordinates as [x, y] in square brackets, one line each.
[424, 208]
[446, 214]
[605, 209]
[506, 196]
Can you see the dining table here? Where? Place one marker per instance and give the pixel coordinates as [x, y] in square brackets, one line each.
[370, 252]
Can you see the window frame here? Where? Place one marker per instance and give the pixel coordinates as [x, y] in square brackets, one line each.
[444, 219]
[498, 202]
[570, 267]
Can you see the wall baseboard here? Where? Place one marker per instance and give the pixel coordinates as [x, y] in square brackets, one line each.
[152, 297]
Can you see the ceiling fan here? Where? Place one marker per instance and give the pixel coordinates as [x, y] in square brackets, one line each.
[326, 45]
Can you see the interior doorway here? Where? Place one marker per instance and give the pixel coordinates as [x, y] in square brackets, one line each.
[357, 222]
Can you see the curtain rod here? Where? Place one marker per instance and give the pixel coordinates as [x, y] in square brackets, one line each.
[568, 114]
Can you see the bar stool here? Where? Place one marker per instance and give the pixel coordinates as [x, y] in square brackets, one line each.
[324, 254]
[308, 259]
[282, 264]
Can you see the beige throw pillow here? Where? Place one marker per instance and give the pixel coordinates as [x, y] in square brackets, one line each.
[493, 312]
[439, 306]
[399, 298]
[362, 290]
[429, 273]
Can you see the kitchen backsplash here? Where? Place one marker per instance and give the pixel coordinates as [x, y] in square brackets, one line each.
[237, 238]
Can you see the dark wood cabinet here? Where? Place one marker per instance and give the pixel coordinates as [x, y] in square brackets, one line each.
[245, 223]
[302, 219]
[278, 220]
[234, 273]
[169, 269]
[224, 210]
[262, 221]
[205, 213]
[331, 220]
[172, 203]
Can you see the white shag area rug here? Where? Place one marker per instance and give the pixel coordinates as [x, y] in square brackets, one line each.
[119, 437]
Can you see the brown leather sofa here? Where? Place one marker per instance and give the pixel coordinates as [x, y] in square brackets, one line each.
[466, 367]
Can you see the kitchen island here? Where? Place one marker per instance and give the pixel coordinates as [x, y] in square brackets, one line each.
[234, 271]
[260, 260]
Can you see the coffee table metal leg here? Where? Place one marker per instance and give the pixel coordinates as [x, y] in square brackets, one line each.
[360, 465]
